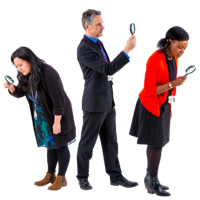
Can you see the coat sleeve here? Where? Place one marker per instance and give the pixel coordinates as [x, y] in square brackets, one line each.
[92, 60]
[17, 93]
[55, 89]
[151, 75]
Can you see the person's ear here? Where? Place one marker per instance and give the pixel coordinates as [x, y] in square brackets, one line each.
[170, 42]
[86, 26]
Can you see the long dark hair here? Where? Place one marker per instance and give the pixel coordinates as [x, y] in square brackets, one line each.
[174, 33]
[30, 81]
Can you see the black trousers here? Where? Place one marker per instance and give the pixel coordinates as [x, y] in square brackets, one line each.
[60, 155]
[102, 124]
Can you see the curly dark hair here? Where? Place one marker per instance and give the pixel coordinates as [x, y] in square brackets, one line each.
[30, 81]
[174, 33]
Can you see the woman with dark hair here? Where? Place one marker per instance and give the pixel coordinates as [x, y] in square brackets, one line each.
[51, 111]
[151, 119]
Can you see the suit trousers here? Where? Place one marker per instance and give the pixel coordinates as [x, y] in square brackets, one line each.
[102, 124]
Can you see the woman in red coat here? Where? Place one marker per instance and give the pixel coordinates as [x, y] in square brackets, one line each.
[151, 119]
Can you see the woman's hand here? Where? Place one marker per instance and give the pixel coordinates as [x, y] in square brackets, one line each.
[56, 128]
[7, 85]
[179, 81]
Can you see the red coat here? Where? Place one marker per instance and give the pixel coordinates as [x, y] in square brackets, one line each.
[156, 74]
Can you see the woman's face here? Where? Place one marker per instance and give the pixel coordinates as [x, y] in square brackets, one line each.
[177, 48]
[22, 66]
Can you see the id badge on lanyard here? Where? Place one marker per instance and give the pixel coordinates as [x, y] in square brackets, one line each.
[35, 115]
[110, 78]
[34, 101]
[172, 98]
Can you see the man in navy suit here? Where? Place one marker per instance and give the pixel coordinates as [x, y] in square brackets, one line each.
[98, 103]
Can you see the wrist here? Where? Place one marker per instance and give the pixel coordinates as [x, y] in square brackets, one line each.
[173, 83]
[126, 50]
[12, 88]
[170, 85]
[57, 119]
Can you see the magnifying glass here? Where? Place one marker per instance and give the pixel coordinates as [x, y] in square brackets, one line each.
[132, 28]
[190, 70]
[9, 79]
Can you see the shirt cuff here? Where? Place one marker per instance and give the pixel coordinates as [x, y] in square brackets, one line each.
[126, 54]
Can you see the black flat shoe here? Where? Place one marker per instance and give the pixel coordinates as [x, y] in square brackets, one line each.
[125, 183]
[145, 182]
[84, 184]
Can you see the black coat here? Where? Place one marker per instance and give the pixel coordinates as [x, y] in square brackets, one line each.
[98, 93]
[54, 101]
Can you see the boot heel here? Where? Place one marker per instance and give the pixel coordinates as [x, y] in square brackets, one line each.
[149, 191]
[113, 184]
[65, 185]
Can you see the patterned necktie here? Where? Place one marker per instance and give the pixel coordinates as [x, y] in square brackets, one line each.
[101, 50]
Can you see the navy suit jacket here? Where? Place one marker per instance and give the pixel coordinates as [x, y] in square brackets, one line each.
[98, 93]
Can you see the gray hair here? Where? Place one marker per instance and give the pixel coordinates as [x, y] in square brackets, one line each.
[88, 17]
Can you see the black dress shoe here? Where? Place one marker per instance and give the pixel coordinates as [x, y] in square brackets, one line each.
[84, 184]
[125, 183]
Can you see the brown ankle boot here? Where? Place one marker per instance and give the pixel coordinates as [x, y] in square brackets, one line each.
[49, 178]
[58, 184]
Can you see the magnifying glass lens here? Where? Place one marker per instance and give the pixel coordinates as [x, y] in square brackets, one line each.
[132, 28]
[190, 69]
[9, 79]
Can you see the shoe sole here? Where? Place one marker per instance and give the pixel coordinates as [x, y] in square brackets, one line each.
[85, 189]
[150, 191]
[163, 186]
[43, 185]
[57, 189]
[113, 184]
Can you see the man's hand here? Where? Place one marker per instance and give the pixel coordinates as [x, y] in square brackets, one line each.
[131, 43]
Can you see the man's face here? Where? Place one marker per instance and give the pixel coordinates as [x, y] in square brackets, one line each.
[96, 29]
